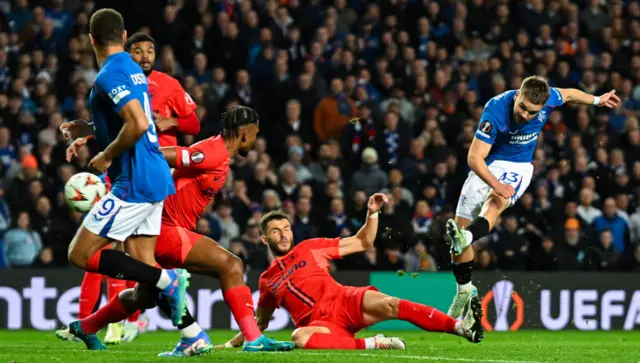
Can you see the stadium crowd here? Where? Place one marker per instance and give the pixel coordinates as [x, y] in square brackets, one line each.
[355, 97]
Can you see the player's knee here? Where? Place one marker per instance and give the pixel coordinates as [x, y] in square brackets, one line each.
[391, 305]
[232, 267]
[299, 337]
[77, 257]
[236, 267]
[497, 202]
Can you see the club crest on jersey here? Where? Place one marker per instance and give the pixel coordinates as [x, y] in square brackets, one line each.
[197, 157]
[542, 116]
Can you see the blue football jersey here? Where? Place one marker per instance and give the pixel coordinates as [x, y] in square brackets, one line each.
[140, 174]
[511, 140]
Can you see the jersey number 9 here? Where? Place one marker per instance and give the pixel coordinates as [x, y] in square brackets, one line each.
[151, 134]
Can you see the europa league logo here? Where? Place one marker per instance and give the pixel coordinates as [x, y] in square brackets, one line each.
[505, 298]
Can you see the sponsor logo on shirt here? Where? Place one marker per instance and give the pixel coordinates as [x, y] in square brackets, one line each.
[523, 139]
[274, 285]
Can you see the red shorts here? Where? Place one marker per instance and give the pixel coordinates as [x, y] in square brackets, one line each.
[343, 313]
[173, 245]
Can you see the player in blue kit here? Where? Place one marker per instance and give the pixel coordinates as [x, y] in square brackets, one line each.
[500, 160]
[141, 179]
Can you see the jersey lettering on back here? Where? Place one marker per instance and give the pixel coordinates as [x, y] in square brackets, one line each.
[300, 281]
[512, 141]
[140, 174]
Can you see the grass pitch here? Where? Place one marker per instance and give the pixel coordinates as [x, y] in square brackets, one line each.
[520, 347]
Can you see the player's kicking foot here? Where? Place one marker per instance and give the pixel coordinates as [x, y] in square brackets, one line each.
[389, 343]
[472, 322]
[64, 334]
[90, 340]
[461, 301]
[457, 238]
[114, 334]
[176, 293]
[190, 347]
[264, 344]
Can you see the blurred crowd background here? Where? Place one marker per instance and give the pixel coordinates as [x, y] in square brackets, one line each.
[415, 74]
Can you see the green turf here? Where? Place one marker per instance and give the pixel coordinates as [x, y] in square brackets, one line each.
[528, 346]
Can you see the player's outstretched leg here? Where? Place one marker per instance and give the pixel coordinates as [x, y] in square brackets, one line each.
[209, 258]
[462, 232]
[334, 337]
[89, 299]
[462, 256]
[378, 307]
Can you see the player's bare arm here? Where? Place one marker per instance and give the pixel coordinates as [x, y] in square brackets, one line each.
[135, 125]
[478, 152]
[263, 317]
[170, 153]
[572, 95]
[72, 130]
[363, 240]
[164, 123]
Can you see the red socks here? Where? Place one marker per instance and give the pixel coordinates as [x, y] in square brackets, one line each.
[110, 313]
[89, 293]
[240, 302]
[330, 341]
[133, 317]
[426, 317]
[115, 287]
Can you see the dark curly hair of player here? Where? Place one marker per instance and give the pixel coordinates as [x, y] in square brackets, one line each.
[236, 117]
[137, 38]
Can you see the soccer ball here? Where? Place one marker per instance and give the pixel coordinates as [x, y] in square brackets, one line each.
[83, 190]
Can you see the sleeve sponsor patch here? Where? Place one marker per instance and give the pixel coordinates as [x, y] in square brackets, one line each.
[119, 93]
[197, 157]
[485, 127]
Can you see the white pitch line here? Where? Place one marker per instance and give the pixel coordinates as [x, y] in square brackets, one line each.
[426, 357]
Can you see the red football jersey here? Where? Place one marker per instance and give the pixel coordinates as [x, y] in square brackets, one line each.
[169, 99]
[300, 280]
[200, 173]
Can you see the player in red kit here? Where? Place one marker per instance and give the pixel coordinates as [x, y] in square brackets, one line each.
[200, 171]
[329, 314]
[172, 107]
[174, 111]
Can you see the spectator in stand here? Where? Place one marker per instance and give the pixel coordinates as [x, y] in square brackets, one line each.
[22, 245]
[615, 226]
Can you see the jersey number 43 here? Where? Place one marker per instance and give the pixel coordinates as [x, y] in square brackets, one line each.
[509, 178]
[151, 134]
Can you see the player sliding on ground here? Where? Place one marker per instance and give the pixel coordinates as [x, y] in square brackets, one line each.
[201, 171]
[173, 111]
[328, 314]
[500, 160]
[124, 130]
